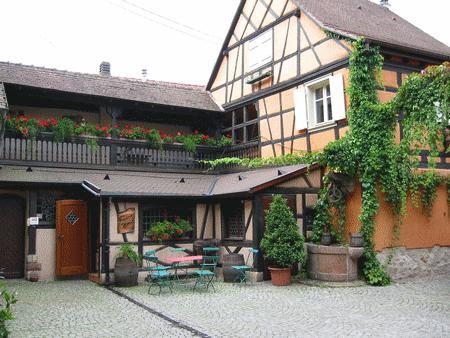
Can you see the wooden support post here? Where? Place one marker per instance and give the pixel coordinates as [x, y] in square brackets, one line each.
[258, 230]
[105, 238]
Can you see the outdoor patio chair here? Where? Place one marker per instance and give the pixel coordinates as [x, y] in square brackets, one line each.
[206, 274]
[181, 266]
[158, 276]
[242, 269]
[212, 250]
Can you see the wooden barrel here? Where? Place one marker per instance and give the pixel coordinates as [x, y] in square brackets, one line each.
[229, 274]
[125, 272]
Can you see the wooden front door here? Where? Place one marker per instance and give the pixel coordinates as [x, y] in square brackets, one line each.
[12, 236]
[71, 238]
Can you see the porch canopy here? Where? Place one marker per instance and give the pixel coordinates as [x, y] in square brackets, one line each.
[103, 183]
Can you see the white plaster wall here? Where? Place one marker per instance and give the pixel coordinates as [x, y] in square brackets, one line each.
[46, 253]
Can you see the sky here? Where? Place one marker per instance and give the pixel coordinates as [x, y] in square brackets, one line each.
[175, 40]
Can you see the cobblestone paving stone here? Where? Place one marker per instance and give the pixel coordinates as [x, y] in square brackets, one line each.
[419, 308]
[81, 309]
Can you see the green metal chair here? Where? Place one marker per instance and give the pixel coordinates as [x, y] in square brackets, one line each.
[158, 276]
[207, 272]
[180, 266]
[242, 269]
[212, 250]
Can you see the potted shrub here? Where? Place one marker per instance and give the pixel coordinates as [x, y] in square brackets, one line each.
[282, 243]
[126, 267]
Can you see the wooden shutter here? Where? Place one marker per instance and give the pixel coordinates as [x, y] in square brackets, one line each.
[301, 115]
[337, 96]
[260, 50]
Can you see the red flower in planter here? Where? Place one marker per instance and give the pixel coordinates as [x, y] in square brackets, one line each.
[53, 122]
[179, 231]
[43, 123]
[195, 132]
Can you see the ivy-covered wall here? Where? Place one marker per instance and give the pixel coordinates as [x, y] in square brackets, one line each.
[416, 231]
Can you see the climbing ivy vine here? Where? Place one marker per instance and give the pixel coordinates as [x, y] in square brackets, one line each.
[369, 150]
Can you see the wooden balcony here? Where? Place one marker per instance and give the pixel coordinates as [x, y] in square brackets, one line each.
[113, 154]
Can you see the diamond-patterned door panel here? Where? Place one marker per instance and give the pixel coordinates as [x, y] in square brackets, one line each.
[72, 218]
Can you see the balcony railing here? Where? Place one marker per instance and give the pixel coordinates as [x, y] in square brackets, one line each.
[113, 153]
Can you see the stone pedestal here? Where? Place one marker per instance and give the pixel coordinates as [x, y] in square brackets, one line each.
[333, 263]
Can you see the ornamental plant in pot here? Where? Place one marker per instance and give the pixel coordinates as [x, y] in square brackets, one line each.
[282, 243]
[126, 267]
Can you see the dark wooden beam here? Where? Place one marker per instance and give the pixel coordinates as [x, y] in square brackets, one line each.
[247, 225]
[205, 220]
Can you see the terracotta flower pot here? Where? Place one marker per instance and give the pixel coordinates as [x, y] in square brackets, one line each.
[280, 276]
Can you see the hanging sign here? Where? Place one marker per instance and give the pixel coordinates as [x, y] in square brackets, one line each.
[33, 221]
[126, 221]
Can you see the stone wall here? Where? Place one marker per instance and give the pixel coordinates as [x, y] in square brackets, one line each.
[409, 263]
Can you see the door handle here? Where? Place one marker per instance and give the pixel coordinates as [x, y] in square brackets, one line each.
[59, 236]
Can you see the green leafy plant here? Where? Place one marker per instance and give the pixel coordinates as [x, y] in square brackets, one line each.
[282, 243]
[64, 130]
[128, 250]
[167, 230]
[7, 300]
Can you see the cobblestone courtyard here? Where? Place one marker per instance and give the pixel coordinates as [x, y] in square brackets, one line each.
[419, 308]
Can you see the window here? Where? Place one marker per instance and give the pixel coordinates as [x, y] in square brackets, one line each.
[320, 102]
[46, 207]
[244, 124]
[260, 50]
[233, 217]
[154, 214]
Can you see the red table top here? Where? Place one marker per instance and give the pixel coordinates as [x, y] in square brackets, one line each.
[183, 259]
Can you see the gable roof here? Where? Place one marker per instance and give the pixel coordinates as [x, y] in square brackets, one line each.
[157, 92]
[354, 18]
[377, 23]
[154, 184]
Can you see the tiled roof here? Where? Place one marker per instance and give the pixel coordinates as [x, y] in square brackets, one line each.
[164, 93]
[355, 18]
[135, 184]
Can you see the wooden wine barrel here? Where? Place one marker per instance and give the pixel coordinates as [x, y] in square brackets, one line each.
[229, 274]
[125, 272]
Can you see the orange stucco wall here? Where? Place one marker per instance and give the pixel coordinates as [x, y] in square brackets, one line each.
[416, 231]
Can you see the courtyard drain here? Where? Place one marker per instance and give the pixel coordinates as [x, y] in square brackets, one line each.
[174, 322]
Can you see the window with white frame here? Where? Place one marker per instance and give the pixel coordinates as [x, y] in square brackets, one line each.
[323, 110]
[320, 102]
[260, 50]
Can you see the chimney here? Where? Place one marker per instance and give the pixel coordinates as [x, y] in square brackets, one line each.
[144, 74]
[385, 3]
[105, 68]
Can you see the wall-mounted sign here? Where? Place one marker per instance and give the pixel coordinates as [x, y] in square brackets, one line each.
[33, 221]
[126, 220]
